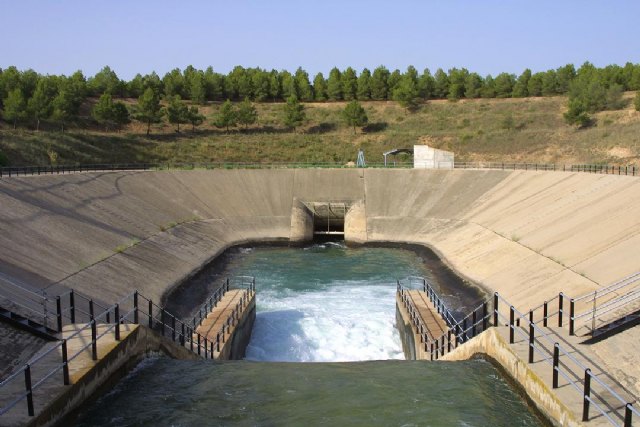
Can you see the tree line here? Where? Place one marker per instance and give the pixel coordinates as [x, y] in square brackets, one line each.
[27, 97]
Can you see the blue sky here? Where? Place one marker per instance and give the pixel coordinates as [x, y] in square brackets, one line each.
[487, 36]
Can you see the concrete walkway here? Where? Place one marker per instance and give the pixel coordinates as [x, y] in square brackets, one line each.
[51, 388]
[229, 312]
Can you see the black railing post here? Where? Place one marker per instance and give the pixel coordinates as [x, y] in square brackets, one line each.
[465, 337]
[448, 340]
[218, 342]
[442, 345]
[117, 320]
[94, 340]
[173, 328]
[65, 364]
[182, 334]
[150, 314]
[27, 385]
[531, 336]
[59, 313]
[135, 307]
[572, 307]
[495, 309]
[560, 302]
[545, 312]
[190, 338]
[227, 284]
[198, 343]
[556, 364]
[587, 394]
[511, 324]
[457, 333]
[484, 316]
[627, 415]
[72, 307]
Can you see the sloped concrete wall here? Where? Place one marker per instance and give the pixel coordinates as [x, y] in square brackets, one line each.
[525, 234]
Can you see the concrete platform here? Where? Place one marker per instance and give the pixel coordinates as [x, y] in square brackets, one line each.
[236, 312]
[415, 303]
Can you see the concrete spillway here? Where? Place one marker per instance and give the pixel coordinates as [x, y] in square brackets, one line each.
[527, 235]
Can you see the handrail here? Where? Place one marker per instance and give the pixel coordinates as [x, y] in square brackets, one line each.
[162, 319]
[631, 170]
[538, 334]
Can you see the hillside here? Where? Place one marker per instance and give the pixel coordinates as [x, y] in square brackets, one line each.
[510, 130]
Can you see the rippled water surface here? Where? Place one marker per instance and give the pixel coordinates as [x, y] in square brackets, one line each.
[166, 392]
[334, 306]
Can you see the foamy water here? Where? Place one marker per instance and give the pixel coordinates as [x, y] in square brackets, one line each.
[342, 321]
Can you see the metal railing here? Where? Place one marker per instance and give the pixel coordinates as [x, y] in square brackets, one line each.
[134, 308]
[617, 298]
[30, 303]
[631, 170]
[458, 331]
[594, 391]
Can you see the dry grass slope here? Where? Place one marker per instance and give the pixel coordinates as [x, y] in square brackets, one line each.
[505, 130]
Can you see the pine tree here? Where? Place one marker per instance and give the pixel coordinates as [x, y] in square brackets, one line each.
[636, 101]
[177, 112]
[15, 107]
[349, 84]
[294, 114]
[320, 87]
[103, 111]
[364, 85]
[406, 94]
[149, 109]
[354, 115]
[379, 88]
[302, 85]
[334, 85]
[247, 114]
[194, 117]
[120, 114]
[441, 81]
[39, 105]
[227, 116]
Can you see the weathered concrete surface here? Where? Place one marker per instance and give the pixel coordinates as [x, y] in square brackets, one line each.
[355, 223]
[525, 234]
[18, 347]
[53, 400]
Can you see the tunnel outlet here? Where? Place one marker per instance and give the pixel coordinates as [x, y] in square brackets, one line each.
[344, 219]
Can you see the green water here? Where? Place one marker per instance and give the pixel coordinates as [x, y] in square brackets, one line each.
[393, 393]
[326, 304]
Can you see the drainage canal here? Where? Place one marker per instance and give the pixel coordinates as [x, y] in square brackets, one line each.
[322, 303]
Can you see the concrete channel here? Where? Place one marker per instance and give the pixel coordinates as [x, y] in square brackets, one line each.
[527, 235]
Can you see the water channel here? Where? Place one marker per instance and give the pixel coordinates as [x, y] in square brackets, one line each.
[327, 304]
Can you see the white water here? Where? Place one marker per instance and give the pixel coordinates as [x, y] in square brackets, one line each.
[342, 321]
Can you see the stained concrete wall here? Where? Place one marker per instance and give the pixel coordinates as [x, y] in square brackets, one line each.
[525, 234]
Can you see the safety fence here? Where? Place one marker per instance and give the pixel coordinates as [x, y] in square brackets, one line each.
[134, 308]
[542, 346]
[14, 171]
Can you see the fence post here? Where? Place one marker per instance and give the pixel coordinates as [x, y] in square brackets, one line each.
[556, 363]
[484, 316]
[531, 336]
[65, 363]
[72, 307]
[135, 307]
[173, 328]
[572, 307]
[560, 298]
[511, 325]
[150, 314]
[59, 313]
[117, 319]
[587, 394]
[190, 338]
[448, 340]
[627, 415]
[198, 343]
[545, 312]
[218, 342]
[162, 320]
[27, 384]
[94, 340]
[182, 334]
[495, 309]
[473, 324]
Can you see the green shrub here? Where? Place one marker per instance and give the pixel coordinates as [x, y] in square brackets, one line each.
[4, 160]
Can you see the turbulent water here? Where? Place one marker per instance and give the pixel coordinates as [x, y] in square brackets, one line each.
[325, 303]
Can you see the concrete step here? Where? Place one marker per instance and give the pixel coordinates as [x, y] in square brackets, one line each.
[28, 325]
